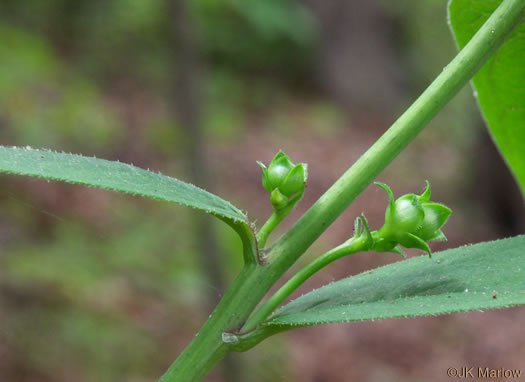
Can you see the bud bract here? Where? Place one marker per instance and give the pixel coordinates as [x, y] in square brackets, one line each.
[283, 179]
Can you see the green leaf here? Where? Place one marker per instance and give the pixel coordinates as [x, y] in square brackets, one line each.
[500, 84]
[116, 176]
[483, 276]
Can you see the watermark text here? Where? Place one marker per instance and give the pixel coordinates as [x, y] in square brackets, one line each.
[483, 373]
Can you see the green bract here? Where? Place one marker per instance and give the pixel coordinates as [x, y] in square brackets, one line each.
[411, 221]
[283, 179]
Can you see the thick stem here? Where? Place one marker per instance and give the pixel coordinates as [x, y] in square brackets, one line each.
[207, 347]
[350, 247]
[255, 281]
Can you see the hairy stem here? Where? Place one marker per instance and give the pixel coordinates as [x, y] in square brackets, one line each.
[352, 246]
[275, 219]
[255, 281]
[267, 228]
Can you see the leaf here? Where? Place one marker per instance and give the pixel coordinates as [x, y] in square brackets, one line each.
[483, 276]
[116, 176]
[500, 84]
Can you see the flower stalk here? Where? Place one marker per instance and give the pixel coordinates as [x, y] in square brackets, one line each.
[360, 242]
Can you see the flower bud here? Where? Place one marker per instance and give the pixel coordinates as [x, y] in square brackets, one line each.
[405, 214]
[284, 176]
[411, 221]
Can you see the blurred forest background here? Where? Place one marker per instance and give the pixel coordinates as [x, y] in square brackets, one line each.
[98, 286]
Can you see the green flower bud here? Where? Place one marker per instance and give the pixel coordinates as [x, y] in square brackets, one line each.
[284, 176]
[411, 221]
[405, 214]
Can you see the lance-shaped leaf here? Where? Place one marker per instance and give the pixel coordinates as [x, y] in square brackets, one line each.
[476, 277]
[120, 177]
[500, 84]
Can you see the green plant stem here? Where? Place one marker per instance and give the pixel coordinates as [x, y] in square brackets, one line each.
[207, 347]
[350, 247]
[267, 228]
[275, 219]
[255, 281]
